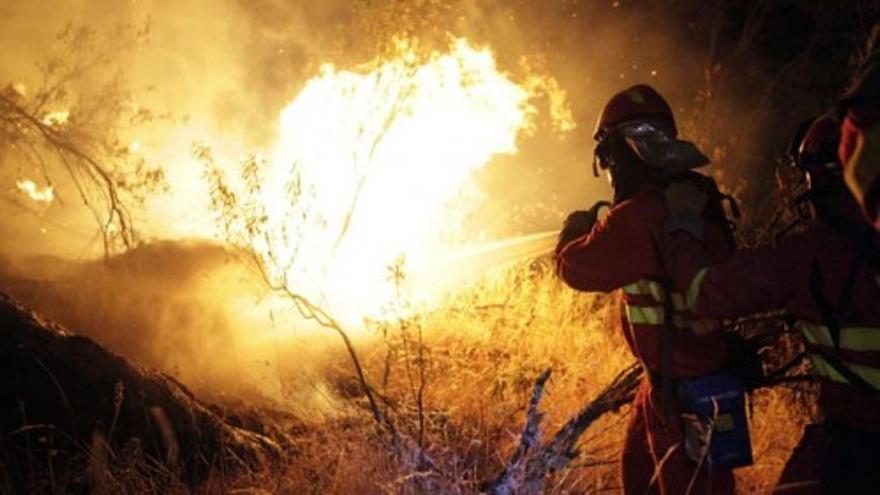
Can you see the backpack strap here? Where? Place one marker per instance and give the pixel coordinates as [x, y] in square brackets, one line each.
[714, 213]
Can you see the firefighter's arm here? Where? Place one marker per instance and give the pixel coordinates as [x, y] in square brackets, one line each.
[614, 253]
[579, 223]
[750, 281]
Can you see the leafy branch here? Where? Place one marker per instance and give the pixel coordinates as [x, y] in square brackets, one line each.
[70, 129]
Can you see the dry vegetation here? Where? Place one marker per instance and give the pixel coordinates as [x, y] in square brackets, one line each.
[455, 383]
[458, 380]
[68, 131]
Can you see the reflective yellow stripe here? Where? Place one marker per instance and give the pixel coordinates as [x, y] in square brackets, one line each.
[693, 294]
[654, 315]
[648, 315]
[633, 288]
[645, 315]
[815, 334]
[822, 368]
[851, 338]
[643, 287]
[655, 289]
[860, 338]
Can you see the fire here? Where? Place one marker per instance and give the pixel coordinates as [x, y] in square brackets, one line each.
[29, 187]
[372, 174]
[135, 147]
[56, 119]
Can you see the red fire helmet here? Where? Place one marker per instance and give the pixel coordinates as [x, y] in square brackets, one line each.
[637, 102]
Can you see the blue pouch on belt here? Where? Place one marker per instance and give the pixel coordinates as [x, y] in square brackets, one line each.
[716, 408]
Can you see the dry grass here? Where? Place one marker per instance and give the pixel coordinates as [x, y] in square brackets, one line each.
[481, 353]
[456, 382]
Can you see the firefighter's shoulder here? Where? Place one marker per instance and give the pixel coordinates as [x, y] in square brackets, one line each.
[647, 207]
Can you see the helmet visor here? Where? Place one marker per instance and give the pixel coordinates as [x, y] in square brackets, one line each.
[654, 142]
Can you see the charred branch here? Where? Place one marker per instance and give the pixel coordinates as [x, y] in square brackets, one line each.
[531, 464]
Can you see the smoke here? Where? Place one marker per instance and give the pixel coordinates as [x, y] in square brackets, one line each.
[197, 311]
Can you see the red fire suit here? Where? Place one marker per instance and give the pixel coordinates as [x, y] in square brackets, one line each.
[622, 252]
[785, 277]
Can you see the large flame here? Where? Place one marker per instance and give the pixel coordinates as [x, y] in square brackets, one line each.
[373, 172]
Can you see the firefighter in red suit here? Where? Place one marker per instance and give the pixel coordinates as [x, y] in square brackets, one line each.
[638, 148]
[827, 277]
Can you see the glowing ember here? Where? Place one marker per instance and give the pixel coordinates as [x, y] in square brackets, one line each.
[44, 195]
[56, 119]
[372, 171]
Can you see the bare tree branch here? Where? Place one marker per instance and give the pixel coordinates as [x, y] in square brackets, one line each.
[530, 465]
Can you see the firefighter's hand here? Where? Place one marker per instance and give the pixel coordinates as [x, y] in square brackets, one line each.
[685, 202]
[579, 223]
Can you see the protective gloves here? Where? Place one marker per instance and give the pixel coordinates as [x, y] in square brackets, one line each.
[579, 223]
